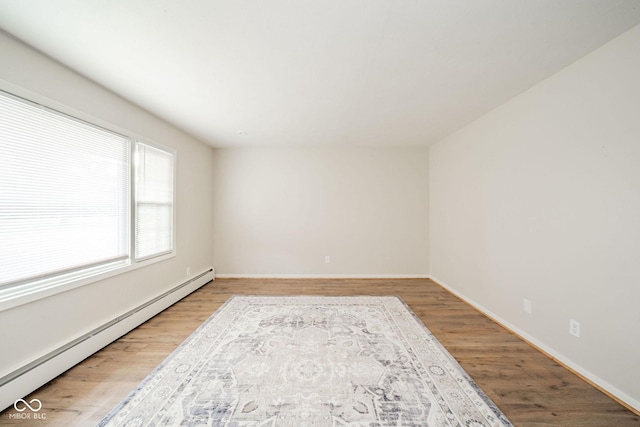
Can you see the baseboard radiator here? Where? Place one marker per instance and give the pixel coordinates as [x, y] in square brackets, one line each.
[29, 377]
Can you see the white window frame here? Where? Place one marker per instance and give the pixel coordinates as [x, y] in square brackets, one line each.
[23, 293]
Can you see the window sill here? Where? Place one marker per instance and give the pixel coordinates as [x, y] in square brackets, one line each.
[29, 292]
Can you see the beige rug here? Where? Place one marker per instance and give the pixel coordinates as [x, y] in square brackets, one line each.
[309, 361]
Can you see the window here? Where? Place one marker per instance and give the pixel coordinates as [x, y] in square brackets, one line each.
[66, 199]
[154, 201]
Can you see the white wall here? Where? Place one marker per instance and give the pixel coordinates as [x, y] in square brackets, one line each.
[280, 211]
[32, 330]
[540, 199]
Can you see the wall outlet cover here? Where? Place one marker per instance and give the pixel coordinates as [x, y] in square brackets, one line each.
[574, 328]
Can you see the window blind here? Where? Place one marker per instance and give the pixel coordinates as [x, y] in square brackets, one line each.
[153, 201]
[64, 193]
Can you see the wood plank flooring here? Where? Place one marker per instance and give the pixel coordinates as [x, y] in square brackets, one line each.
[530, 388]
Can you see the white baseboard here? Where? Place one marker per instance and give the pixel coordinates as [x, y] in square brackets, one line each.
[320, 276]
[50, 367]
[604, 386]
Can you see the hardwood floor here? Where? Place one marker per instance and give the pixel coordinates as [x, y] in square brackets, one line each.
[530, 388]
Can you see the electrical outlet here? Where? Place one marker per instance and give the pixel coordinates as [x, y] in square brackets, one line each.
[527, 306]
[188, 271]
[327, 259]
[574, 328]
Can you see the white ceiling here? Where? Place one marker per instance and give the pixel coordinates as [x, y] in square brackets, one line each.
[318, 72]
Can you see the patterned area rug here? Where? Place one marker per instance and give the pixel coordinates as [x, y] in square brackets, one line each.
[309, 361]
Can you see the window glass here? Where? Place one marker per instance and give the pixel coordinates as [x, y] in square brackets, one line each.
[153, 201]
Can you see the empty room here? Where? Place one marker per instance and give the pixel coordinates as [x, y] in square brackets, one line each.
[320, 213]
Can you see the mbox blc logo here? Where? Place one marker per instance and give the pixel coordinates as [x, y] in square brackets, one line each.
[34, 406]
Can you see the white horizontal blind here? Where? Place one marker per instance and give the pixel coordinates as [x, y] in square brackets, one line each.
[153, 201]
[64, 193]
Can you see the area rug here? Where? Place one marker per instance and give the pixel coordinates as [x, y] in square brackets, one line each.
[309, 361]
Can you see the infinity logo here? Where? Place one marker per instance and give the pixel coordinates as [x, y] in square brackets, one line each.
[26, 405]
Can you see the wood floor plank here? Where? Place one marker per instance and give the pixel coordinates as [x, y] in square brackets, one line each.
[530, 388]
